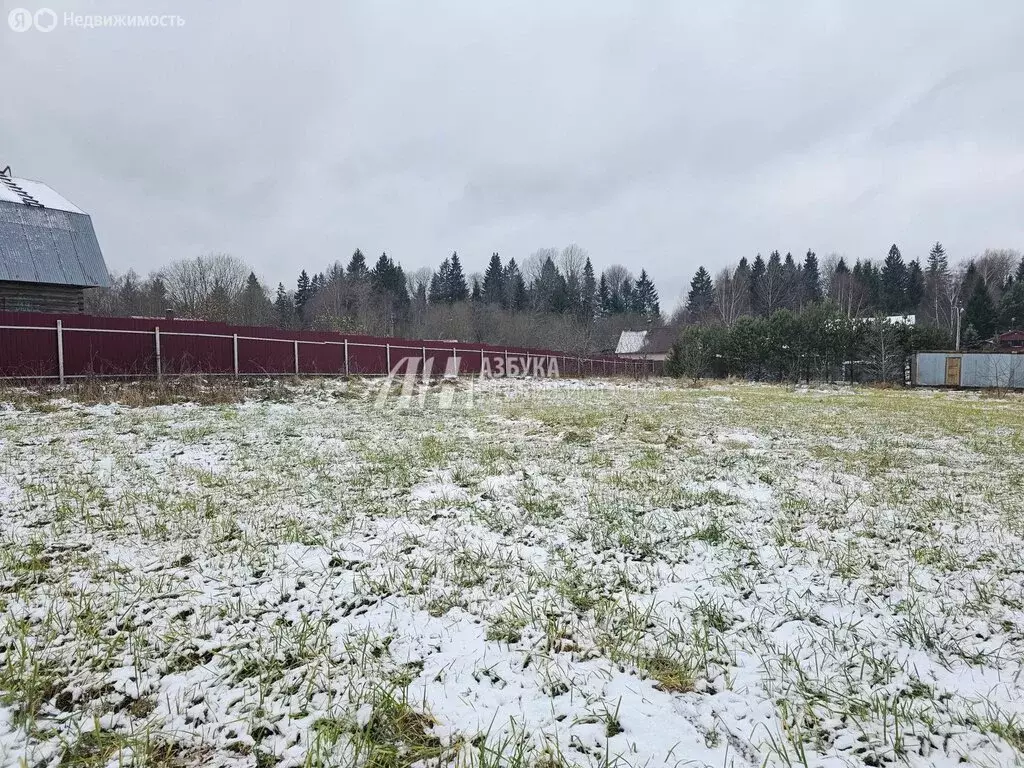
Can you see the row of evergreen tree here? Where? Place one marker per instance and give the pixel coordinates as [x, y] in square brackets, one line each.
[988, 290]
[819, 343]
[554, 299]
[573, 289]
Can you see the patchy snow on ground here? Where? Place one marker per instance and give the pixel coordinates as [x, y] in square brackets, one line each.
[520, 573]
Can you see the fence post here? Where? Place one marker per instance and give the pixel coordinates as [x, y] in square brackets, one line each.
[423, 355]
[296, 357]
[388, 350]
[159, 365]
[60, 351]
[481, 362]
[506, 363]
[346, 357]
[235, 350]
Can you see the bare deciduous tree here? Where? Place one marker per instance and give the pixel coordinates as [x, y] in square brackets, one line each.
[731, 298]
[191, 282]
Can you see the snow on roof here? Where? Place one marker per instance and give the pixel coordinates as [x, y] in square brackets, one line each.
[655, 341]
[29, 192]
[902, 319]
[44, 238]
[630, 342]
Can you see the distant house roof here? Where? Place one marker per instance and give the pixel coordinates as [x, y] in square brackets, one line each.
[657, 341]
[630, 342]
[902, 319]
[44, 238]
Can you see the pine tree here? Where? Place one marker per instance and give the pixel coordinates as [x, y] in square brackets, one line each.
[811, 278]
[1019, 277]
[493, 289]
[357, 269]
[457, 289]
[701, 297]
[284, 308]
[894, 282]
[476, 294]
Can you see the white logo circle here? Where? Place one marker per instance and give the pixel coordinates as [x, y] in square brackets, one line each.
[45, 20]
[20, 20]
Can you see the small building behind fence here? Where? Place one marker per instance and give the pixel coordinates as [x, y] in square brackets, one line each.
[49, 253]
[976, 370]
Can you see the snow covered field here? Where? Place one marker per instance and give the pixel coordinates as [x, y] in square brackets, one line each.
[566, 573]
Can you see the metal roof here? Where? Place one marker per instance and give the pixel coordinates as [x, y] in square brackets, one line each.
[47, 239]
[654, 342]
[630, 342]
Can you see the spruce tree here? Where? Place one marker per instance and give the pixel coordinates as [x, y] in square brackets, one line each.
[894, 282]
[626, 295]
[302, 292]
[284, 308]
[254, 308]
[357, 269]
[493, 289]
[456, 288]
[757, 273]
[915, 287]
[589, 305]
[980, 311]
[701, 296]
[604, 296]
[645, 297]
[551, 292]
[1011, 307]
[515, 287]
[440, 283]
[811, 278]
[937, 283]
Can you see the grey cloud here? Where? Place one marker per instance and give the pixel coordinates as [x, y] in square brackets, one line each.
[662, 134]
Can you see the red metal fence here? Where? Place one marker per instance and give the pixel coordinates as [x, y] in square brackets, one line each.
[45, 346]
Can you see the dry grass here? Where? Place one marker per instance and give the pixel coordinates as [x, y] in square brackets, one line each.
[201, 390]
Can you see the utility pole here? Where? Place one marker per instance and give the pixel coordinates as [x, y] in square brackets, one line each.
[959, 315]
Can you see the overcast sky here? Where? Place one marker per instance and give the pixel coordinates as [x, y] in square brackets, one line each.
[658, 134]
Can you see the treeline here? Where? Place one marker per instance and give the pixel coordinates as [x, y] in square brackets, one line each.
[777, 319]
[554, 299]
[819, 343]
[989, 289]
